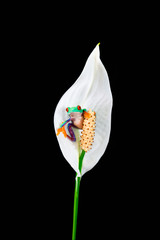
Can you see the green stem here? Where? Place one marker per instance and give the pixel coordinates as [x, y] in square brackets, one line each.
[75, 210]
[76, 196]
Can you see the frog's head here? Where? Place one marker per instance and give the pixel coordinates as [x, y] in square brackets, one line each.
[75, 109]
[76, 115]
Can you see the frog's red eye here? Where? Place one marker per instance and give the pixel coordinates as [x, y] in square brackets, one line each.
[79, 107]
[67, 109]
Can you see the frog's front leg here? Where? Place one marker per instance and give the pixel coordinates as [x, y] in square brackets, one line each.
[62, 128]
[71, 132]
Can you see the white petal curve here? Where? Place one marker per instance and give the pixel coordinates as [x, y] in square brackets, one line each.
[91, 90]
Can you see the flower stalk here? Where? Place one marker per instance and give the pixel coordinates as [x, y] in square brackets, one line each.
[76, 197]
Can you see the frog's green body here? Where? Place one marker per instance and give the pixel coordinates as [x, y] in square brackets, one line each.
[75, 109]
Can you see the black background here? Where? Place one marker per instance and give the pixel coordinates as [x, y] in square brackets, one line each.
[44, 53]
[42, 190]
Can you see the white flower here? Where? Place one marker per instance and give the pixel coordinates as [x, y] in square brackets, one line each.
[90, 91]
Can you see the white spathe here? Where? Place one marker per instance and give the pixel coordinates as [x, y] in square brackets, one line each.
[91, 90]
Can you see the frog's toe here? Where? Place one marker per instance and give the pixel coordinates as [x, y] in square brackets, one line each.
[59, 130]
[87, 114]
[64, 131]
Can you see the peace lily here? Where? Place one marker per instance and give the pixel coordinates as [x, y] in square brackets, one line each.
[86, 108]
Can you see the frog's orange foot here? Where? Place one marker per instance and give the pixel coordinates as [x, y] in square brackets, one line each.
[59, 130]
[86, 114]
[62, 129]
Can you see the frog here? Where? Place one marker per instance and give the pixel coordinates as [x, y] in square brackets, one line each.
[76, 118]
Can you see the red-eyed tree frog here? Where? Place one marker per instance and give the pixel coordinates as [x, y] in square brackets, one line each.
[76, 117]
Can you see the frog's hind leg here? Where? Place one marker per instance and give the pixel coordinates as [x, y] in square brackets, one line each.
[71, 132]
